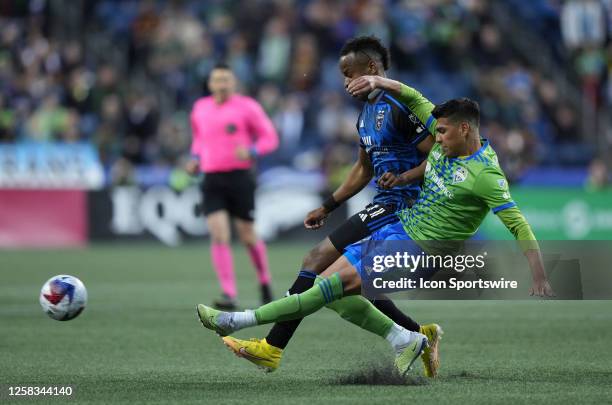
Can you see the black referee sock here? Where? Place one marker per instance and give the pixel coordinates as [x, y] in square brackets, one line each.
[281, 333]
[388, 308]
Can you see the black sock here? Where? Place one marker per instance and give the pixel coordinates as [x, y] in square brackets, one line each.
[281, 332]
[388, 308]
[266, 293]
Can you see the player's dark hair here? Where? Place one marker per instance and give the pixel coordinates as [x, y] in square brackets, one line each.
[369, 46]
[459, 109]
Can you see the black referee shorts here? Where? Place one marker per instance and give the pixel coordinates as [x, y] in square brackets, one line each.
[232, 191]
[362, 224]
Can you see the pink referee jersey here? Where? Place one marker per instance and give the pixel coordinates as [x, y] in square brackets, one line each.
[219, 129]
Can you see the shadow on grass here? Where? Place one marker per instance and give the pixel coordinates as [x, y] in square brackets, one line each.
[378, 373]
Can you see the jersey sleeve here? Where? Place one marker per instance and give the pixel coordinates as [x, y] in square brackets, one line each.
[518, 226]
[266, 138]
[420, 105]
[405, 122]
[491, 187]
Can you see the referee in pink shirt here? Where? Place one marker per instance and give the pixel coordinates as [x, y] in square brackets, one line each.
[229, 131]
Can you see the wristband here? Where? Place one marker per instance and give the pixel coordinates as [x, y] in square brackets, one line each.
[330, 204]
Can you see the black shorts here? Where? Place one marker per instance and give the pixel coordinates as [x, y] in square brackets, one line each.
[231, 191]
[362, 224]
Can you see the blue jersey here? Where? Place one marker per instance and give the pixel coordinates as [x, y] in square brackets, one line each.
[389, 133]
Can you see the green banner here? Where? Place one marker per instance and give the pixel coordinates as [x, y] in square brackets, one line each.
[558, 214]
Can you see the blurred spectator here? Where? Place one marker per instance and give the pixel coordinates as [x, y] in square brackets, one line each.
[127, 82]
[289, 120]
[50, 121]
[7, 122]
[274, 50]
[598, 176]
[583, 23]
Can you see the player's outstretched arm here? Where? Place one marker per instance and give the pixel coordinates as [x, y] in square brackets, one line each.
[519, 227]
[407, 95]
[360, 175]
[492, 187]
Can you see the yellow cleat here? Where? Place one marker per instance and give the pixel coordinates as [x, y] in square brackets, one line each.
[431, 354]
[257, 351]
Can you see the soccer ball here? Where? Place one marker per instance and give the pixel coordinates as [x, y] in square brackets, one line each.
[63, 297]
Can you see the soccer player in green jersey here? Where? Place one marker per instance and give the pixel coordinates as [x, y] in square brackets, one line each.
[462, 182]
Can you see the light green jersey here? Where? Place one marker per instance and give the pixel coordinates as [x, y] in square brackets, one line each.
[457, 194]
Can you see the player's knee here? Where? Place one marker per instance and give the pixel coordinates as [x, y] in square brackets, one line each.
[247, 236]
[219, 236]
[311, 260]
[219, 240]
[317, 259]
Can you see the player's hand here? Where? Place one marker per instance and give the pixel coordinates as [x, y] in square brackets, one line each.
[243, 153]
[389, 180]
[192, 167]
[315, 218]
[541, 288]
[362, 85]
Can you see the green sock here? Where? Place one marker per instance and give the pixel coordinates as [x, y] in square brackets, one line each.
[325, 291]
[359, 311]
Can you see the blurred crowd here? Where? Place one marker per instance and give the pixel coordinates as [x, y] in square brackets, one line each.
[124, 74]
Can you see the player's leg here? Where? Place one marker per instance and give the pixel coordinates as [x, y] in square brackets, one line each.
[258, 254]
[339, 280]
[266, 353]
[408, 345]
[241, 198]
[215, 209]
[336, 288]
[315, 262]
[287, 308]
[357, 227]
[219, 228]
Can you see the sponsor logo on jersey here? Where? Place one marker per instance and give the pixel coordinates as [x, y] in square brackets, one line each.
[380, 118]
[501, 183]
[431, 174]
[461, 174]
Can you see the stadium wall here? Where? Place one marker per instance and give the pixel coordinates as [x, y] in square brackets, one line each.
[59, 218]
[43, 218]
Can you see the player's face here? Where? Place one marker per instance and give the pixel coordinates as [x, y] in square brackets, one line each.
[353, 67]
[222, 83]
[452, 136]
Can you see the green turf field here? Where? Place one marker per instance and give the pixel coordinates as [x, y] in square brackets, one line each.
[138, 341]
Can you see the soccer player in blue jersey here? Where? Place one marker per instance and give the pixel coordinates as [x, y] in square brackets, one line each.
[393, 144]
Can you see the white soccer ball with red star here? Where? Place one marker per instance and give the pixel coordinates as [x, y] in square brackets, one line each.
[63, 297]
